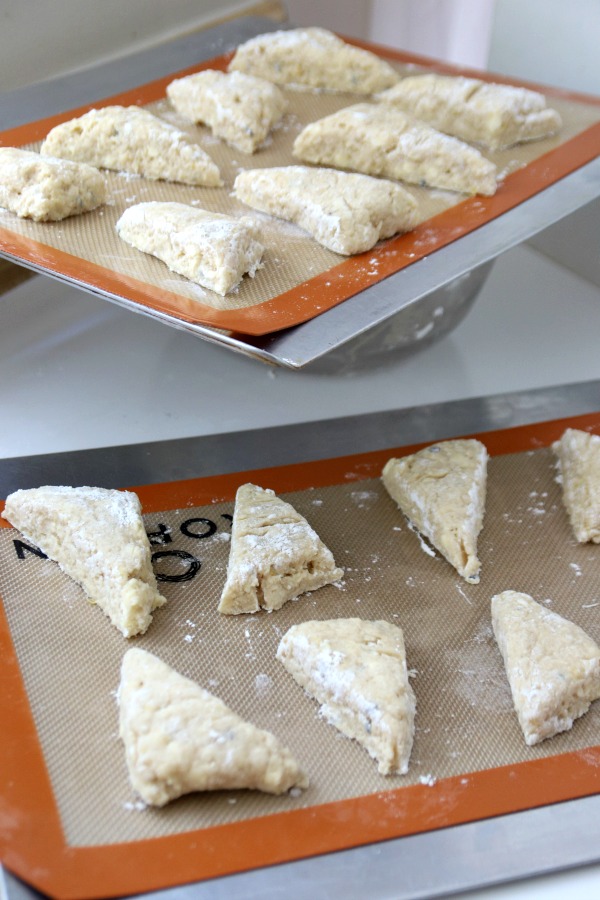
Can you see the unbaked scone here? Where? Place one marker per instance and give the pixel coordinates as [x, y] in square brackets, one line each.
[313, 59]
[441, 490]
[343, 211]
[130, 139]
[180, 738]
[379, 140]
[275, 554]
[47, 189]
[495, 115]
[210, 249]
[578, 454]
[552, 665]
[238, 108]
[97, 537]
[357, 671]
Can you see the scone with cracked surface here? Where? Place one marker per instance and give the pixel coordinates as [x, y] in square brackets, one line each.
[180, 738]
[238, 108]
[313, 59]
[357, 671]
[441, 490]
[210, 249]
[130, 139]
[97, 537]
[45, 188]
[383, 141]
[552, 665]
[494, 115]
[275, 554]
[578, 454]
[345, 212]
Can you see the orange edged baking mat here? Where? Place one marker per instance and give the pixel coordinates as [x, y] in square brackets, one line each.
[69, 822]
[299, 278]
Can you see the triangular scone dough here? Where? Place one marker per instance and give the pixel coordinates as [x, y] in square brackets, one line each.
[275, 554]
[553, 667]
[97, 537]
[210, 249]
[383, 141]
[130, 139]
[344, 211]
[180, 738]
[441, 490]
[241, 109]
[47, 189]
[313, 58]
[357, 671]
[496, 115]
[578, 455]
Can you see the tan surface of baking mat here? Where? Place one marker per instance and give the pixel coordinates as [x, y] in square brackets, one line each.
[467, 735]
[299, 278]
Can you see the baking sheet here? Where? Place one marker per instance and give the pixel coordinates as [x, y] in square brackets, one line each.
[300, 278]
[469, 760]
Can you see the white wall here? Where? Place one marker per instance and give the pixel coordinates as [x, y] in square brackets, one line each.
[43, 38]
[550, 41]
[456, 31]
[555, 43]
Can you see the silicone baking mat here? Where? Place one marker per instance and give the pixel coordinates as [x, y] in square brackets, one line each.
[300, 278]
[71, 825]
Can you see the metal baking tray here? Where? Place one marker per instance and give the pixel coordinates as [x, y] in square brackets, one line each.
[391, 315]
[492, 850]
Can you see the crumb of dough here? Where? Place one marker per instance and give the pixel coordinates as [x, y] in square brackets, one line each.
[441, 490]
[180, 738]
[97, 537]
[275, 555]
[45, 188]
[313, 59]
[578, 457]
[238, 108]
[210, 249]
[552, 665]
[130, 139]
[357, 671]
[345, 212]
[383, 141]
[494, 115]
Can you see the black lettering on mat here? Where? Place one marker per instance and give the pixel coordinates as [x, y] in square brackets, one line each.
[194, 565]
[21, 548]
[186, 528]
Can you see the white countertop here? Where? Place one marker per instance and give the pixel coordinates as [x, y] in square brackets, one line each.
[78, 372]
